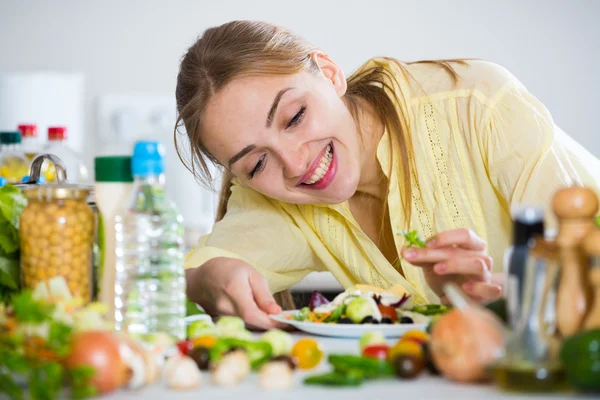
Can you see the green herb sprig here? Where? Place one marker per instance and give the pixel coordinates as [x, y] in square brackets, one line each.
[32, 343]
[413, 239]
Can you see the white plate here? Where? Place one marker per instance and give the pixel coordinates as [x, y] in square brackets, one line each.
[347, 330]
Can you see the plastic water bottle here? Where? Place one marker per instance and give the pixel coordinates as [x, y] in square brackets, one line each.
[149, 282]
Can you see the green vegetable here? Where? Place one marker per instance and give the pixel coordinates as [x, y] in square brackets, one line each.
[302, 314]
[498, 307]
[359, 308]
[191, 308]
[12, 203]
[281, 342]
[258, 352]
[431, 309]
[370, 338]
[336, 314]
[369, 367]
[38, 367]
[201, 328]
[412, 239]
[351, 378]
[228, 326]
[580, 355]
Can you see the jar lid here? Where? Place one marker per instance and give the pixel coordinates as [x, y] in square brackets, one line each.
[57, 133]
[28, 130]
[10, 137]
[113, 169]
[55, 191]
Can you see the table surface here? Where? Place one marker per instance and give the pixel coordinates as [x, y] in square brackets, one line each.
[422, 388]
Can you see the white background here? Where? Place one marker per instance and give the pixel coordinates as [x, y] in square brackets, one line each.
[134, 46]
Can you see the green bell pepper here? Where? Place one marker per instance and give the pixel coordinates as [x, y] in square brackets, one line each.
[258, 352]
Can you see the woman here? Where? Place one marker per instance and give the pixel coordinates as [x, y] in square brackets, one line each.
[323, 172]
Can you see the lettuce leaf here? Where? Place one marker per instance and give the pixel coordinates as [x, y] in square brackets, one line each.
[12, 203]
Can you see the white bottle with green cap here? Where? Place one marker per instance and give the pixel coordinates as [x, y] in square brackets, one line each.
[114, 183]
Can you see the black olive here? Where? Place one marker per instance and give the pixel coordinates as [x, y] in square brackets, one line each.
[386, 320]
[408, 366]
[201, 357]
[367, 320]
[429, 364]
[289, 360]
[406, 320]
[344, 321]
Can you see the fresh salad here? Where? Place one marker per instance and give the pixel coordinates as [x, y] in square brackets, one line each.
[360, 306]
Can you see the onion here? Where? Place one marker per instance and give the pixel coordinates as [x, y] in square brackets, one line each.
[101, 351]
[464, 342]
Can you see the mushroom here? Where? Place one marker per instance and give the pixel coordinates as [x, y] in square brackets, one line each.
[181, 373]
[232, 369]
[277, 374]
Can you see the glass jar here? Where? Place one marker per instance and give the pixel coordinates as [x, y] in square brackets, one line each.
[57, 237]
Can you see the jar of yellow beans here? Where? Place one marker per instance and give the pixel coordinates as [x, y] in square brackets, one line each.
[57, 236]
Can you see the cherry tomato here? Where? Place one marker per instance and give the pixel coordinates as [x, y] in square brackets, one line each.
[205, 341]
[307, 353]
[185, 346]
[405, 347]
[388, 311]
[378, 351]
[419, 337]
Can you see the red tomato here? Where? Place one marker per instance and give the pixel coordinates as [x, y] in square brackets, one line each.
[377, 351]
[185, 346]
[388, 311]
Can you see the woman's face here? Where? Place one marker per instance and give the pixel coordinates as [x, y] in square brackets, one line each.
[290, 137]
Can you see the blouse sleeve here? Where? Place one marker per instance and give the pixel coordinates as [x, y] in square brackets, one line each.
[259, 232]
[528, 156]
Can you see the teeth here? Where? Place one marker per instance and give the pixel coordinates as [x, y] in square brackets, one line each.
[322, 168]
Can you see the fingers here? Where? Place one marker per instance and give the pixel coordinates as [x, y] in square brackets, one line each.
[484, 292]
[473, 265]
[242, 297]
[262, 295]
[462, 237]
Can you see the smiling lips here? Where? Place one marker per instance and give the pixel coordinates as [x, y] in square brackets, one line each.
[322, 170]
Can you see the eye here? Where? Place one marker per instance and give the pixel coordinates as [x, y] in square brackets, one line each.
[259, 167]
[296, 119]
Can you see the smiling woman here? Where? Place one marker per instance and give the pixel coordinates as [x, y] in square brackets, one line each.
[324, 172]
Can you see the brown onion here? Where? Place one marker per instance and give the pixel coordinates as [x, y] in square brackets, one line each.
[464, 342]
[101, 351]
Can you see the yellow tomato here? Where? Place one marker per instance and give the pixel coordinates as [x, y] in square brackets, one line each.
[205, 341]
[405, 347]
[308, 353]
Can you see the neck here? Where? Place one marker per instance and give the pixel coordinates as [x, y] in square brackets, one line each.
[373, 181]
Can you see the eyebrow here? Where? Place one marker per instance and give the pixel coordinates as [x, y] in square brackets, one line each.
[270, 116]
[241, 154]
[274, 106]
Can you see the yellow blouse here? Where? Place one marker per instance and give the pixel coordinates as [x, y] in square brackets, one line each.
[480, 147]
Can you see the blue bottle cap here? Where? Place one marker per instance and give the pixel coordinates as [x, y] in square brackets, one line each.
[41, 179]
[3, 181]
[148, 159]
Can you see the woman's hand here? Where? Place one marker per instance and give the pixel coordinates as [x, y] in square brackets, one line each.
[457, 256]
[226, 286]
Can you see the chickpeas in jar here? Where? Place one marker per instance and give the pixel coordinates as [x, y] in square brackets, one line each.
[57, 237]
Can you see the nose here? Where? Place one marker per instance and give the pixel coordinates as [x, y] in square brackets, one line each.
[295, 161]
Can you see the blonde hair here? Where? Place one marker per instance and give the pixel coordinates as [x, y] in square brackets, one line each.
[245, 48]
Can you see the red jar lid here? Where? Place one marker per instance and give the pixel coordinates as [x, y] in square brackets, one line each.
[28, 130]
[57, 133]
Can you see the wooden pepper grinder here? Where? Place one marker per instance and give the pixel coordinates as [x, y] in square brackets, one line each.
[591, 246]
[575, 208]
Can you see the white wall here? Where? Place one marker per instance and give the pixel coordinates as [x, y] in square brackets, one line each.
[134, 46]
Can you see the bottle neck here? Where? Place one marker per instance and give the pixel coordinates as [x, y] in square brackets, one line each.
[152, 180]
[10, 147]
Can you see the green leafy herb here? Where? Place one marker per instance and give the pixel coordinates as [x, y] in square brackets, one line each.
[12, 203]
[302, 314]
[35, 359]
[412, 239]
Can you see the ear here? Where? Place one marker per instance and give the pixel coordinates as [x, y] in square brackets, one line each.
[331, 71]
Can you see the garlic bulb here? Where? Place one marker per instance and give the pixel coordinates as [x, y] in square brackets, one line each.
[183, 374]
[233, 368]
[276, 375]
